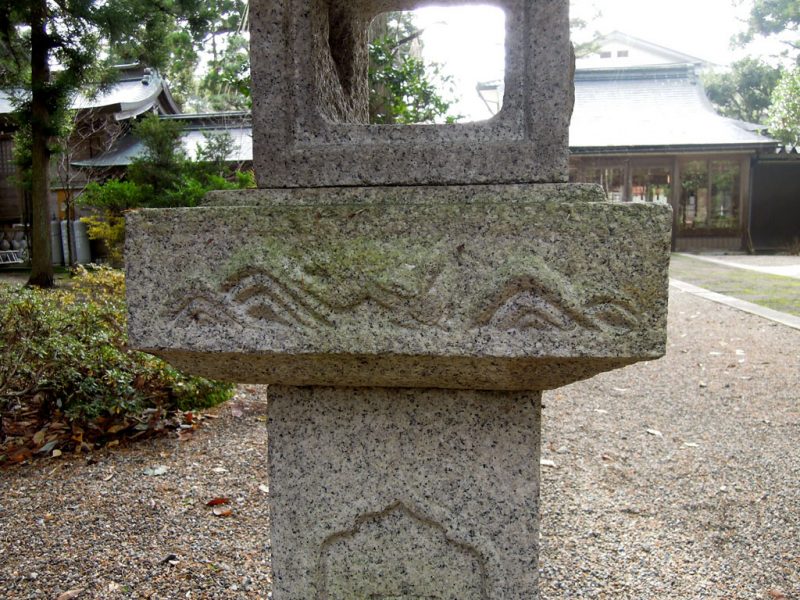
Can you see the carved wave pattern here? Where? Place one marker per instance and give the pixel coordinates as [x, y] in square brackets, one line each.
[543, 300]
[532, 307]
[254, 296]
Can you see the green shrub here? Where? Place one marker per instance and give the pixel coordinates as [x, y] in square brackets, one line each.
[64, 353]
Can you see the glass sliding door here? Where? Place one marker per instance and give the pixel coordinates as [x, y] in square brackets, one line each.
[610, 176]
[724, 212]
[710, 196]
[627, 179]
[651, 183]
[693, 205]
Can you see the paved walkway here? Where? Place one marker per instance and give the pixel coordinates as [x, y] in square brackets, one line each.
[788, 266]
[743, 305]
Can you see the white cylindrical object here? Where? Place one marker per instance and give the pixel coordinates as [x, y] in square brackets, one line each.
[80, 242]
[56, 250]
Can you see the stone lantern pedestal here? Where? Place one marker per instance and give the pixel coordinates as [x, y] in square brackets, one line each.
[407, 292]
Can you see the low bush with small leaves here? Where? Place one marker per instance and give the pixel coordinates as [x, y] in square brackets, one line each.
[68, 379]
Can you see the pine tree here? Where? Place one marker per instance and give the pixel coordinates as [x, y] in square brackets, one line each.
[82, 38]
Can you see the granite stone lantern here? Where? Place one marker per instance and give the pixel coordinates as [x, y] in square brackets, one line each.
[407, 292]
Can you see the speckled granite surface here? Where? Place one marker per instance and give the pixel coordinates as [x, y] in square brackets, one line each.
[477, 278]
[402, 493]
[496, 287]
[310, 97]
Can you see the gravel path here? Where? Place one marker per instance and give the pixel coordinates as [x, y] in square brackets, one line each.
[677, 479]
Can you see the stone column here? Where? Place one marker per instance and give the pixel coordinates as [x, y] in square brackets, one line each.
[404, 493]
[408, 292]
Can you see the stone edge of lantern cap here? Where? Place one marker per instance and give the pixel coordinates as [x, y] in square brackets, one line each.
[485, 287]
[310, 96]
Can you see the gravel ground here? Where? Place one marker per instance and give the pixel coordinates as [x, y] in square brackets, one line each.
[676, 479]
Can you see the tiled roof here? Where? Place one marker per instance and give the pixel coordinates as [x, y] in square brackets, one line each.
[655, 108]
[131, 96]
[652, 107]
[135, 92]
[195, 132]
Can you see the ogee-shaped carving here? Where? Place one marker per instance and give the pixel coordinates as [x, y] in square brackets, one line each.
[397, 554]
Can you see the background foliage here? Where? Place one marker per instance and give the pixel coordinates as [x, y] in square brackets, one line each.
[67, 374]
[163, 177]
[759, 92]
[744, 92]
[402, 88]
[784, 113]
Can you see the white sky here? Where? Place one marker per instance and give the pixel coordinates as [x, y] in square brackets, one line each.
[468, 41]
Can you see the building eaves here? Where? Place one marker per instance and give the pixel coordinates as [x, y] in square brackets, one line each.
[675, 149]
[619, 110]
[136, 91]
[193, 137]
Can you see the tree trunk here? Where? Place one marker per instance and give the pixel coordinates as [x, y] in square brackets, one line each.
[41, 259]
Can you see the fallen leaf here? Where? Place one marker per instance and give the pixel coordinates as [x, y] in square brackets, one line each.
[171, 559]
[109, 476]
[222, 511]
[655, 432]
[703, 384]
[777, 595]
[218, 501]
[219, 470]
[156, 471]
[691, 445]
[117, 428]
[547, 463]
[20, 455]
[56, 453]
[69, 595]
[47, 448]
[38, 437]
[264, 488]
